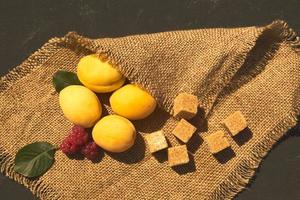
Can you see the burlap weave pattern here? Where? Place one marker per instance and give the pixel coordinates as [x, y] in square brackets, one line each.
[252, 69]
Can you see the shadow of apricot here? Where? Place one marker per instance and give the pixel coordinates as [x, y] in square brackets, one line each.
[153, 122]
[104, 97]
[243, 137]
[135, 154]
[150, 124]
[186, 168]
[225, 155]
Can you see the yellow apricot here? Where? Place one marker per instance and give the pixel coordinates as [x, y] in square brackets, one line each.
[98, 75]
[106, 88]
[80, 105]
[114, 133]
[132, 102]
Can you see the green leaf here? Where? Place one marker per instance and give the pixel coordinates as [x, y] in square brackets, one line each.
[62, 79]
[34, 159]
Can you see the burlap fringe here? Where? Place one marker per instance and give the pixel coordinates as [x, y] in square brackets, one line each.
[73, 40]
[236, 181]
[240, 177]
[36, 186]
[35, 60]
[284, 34]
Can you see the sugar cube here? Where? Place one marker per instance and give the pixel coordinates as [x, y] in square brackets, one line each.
[217, 142]
[156, 141]
[235, 123]
[185, 106]
[184, 130]
[178, 155]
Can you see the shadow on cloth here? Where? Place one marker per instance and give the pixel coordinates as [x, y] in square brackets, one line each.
[293, 132]
[243, 137]
[199, 121]
[186, 168]
[135, 154]
[152, 123]
[81, 157]
[162, 156]
[264, 50]
[194, 143]
[225, 155]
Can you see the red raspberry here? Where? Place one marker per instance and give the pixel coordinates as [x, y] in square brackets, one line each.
[91, 151]
[79, 136]
[68, 147]
[73, 143]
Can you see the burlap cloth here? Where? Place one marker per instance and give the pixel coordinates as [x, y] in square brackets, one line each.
[252, 69]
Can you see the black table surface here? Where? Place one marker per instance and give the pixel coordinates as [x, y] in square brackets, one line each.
[26, 25]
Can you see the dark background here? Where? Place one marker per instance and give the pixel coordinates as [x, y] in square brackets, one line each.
[26, 25]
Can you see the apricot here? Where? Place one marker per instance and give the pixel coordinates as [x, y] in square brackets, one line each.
[80, 105]
[114, 133]
[132, 102]
[99, 75]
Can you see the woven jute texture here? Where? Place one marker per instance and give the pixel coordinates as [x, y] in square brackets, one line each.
[251, 69]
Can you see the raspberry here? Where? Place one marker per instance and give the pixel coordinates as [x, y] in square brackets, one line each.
[73, 143]
[91, 151]
[68, 147]
[79, 136]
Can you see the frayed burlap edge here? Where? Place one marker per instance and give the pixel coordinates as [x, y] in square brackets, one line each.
[73, 40]
[236, 81]
[240, 177]
[235, 182]
[283, 32]
[37, 187]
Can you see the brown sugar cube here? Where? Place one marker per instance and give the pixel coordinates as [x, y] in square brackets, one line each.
[185, 106]
[178, 155]
[217, 142]
[156, 141]
[235, 123]
[184, 130]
